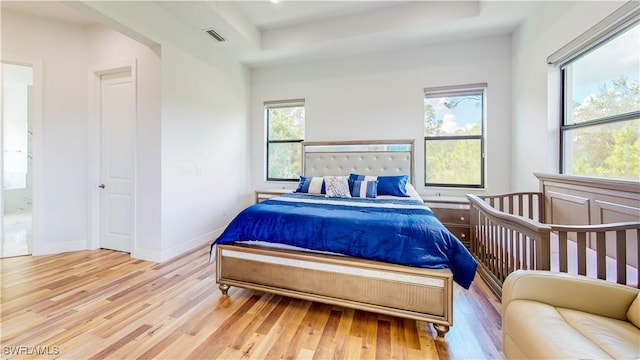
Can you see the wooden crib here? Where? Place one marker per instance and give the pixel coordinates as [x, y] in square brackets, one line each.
[579, 225]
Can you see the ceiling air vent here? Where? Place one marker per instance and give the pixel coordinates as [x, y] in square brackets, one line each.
[215, 35]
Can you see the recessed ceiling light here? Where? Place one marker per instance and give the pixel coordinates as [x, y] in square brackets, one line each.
[274, 1]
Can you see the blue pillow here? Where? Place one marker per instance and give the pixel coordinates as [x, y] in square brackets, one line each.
[387, 185]
[311, 185]
[393, 185]
[355, 177]
[364, 189]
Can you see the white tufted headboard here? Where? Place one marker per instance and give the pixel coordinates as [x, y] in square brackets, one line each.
[375, 157]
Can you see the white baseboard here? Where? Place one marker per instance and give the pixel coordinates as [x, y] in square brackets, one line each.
[146, 254]
[190, 245]
[57, 248]
[137, 253]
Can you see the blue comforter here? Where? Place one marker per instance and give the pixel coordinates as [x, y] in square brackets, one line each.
[397, 231]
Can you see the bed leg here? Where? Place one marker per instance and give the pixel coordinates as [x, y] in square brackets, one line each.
[441, 329]
[224, 288]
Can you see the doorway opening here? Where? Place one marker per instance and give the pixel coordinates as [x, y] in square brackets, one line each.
[17, 160]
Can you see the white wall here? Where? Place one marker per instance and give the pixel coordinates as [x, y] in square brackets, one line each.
[204, 147]
[107, 49]
[204, 130]
[536, 94]
[192, 132]
[381, 96]
[61, 49]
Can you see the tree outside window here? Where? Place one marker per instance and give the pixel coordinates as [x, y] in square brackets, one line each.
[285, 133]
[600, 129]
[454, 136]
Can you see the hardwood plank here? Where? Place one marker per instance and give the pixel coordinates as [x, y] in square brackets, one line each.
[383, 339]
[129, 337]
[398, 343]
[340, 342]
[103, 304]
[220, 339]
[309, 330]
[287, 330]
[324, 349]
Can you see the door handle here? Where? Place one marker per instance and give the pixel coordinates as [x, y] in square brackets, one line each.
[102, 186]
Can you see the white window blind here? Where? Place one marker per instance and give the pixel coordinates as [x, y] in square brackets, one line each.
[283, 103]
[624, 17]
[455, 90]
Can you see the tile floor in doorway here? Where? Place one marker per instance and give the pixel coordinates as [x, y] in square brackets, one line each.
[17, 234]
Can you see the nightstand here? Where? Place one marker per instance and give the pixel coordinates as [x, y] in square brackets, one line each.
[264, 194]
[453, 213]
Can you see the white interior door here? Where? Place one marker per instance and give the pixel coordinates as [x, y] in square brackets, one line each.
[118, 123]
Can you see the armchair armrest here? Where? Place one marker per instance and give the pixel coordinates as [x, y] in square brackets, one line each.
[569, 291]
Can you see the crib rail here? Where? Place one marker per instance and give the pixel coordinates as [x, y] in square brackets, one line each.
[590, 255]
[503, 242]
[529, 205]
[507, 234]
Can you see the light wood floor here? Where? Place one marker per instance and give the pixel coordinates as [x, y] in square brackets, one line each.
[103, 304]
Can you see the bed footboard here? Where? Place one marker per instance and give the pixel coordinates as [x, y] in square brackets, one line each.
[416, 293]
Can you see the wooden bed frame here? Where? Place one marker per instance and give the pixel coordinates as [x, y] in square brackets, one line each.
[415, 293]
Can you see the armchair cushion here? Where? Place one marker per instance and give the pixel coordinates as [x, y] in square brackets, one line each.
[552, 315]
[570, 291]
[633, 314]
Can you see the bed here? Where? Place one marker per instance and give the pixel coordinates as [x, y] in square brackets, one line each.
[383, 252]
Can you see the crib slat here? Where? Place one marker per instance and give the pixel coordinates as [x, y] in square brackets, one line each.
[505, 250]
[638, 259]
[494, 249]
[562, 251]
[582, 253]
[483, 254]
[485, 241]
[486, 250]
[499, 254]
[621, 256]
[513, 250]
[505, 254]
[518, 251]
[532, 251]
[601, 254]
[511, 208]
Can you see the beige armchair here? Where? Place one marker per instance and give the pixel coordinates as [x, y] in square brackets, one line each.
[548, 315]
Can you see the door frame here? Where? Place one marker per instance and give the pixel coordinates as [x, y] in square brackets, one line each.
[94, 240]
[36, 148]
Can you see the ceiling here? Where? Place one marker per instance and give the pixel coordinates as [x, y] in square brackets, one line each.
[264, 34]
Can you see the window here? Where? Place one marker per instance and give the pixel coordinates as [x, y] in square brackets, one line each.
[454, 136]
[600, 123]
[285, 132]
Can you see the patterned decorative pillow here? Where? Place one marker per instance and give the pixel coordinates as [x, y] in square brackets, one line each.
[362, 188]
[337, 186]
[311, 185]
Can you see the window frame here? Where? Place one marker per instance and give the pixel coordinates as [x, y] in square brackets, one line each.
[460, 90]
[280, 104]
[614, 28]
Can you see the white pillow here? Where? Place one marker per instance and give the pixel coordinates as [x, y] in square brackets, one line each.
[337, 186]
